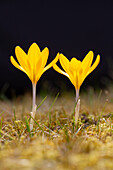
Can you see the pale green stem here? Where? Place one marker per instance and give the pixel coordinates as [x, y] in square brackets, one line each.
[77, 108]
[33, 106]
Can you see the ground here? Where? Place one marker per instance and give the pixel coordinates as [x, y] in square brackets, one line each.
[55, 142]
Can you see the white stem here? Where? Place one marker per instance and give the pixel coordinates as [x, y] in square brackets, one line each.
[77, 108]
[77, 95]
[33, 106]
[34, 96]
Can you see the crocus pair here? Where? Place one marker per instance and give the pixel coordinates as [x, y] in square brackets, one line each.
[33, 64]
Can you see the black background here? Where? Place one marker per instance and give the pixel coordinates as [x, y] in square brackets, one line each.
[70, 27]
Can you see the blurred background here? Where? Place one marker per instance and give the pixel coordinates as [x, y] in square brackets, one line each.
[70, 27]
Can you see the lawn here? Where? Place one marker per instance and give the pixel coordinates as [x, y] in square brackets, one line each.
[55, 142]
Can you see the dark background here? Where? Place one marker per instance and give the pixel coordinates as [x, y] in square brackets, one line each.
[70, 27]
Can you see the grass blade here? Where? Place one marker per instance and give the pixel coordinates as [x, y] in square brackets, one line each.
[27, 124]
[73, 123]
[59, 124]
[36, 122]
[41, 103]
[14, 114]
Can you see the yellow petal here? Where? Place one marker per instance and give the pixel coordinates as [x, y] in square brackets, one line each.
[76, 80]
[19, 67]
[81, 79]
[44, 56]
[95, 64]
[38, 70]
[21, 57]
[90, 69]
[56, 68]
[16, 64]
[41, 63]
[75, 65]
[51, 64]
[34, 55]
[30, 72]
[87, 61]
[64, 63]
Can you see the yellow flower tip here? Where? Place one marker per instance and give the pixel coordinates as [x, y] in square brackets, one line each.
[58, 55]
[98, 57]
[12, 59]
[45, 50]
[19, 53]
[61, 55]
[97, 61]
[34, 44]
[91, 53]
[17, 48]
[34, 48]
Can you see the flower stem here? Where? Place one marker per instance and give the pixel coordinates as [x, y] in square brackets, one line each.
[33, 106]
[77, 108]
[77, 95]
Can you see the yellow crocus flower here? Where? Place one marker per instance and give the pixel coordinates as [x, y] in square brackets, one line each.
[76, 70]
[33, 64]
